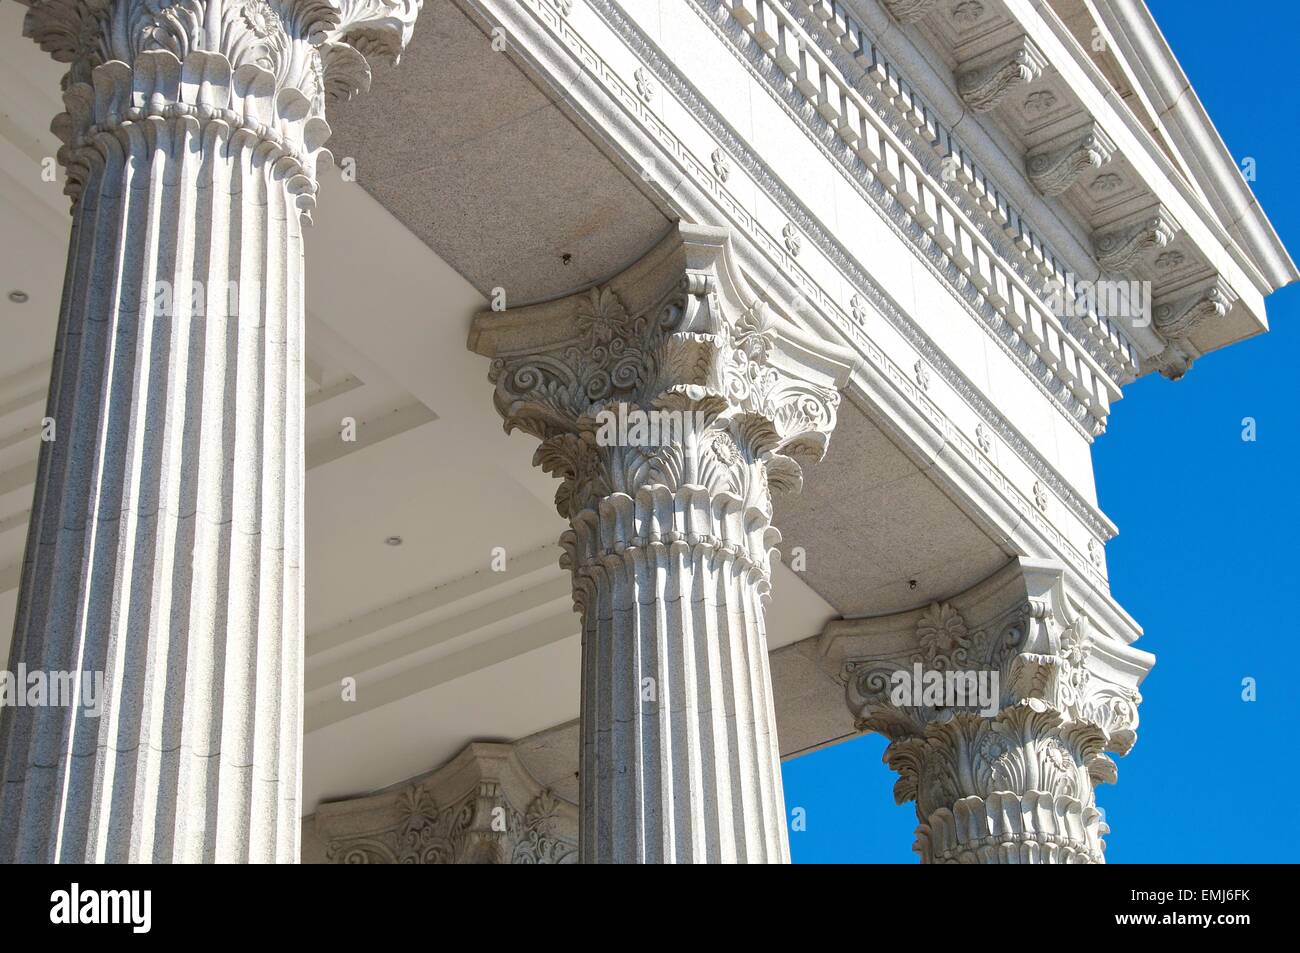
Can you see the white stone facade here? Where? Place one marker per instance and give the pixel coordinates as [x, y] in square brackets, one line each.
[870, 272]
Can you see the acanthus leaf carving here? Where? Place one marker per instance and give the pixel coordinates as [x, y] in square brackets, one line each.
[984, 82]
[262, 68]
[481, 807]
[707, 359]
[1120, 246]
[1055, 166]
[909, 11]
[1178, 314]
[672, 402]
[1065, 699]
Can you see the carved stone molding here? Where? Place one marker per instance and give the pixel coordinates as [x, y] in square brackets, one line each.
[1086, 418]
[1119, 246]
[1009, 777]
[909, 11]
[671, 534]
[984, 81]
[1176, 315]
[482, 807]
[1057, 164]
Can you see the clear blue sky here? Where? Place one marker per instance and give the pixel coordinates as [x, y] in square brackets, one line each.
[1205, 557]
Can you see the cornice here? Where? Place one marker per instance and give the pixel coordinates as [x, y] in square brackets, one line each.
[1072, 88]
[977, 291]
[920, 128]
[1176, 101]
[603, 96]
[672, 81]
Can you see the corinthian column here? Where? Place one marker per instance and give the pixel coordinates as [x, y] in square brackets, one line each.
[165, 548]
[671, 403]
[1001, 707]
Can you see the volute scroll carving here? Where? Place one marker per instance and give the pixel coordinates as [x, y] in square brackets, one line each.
[482, 807]
[1009, 777]
[671, 402]
[744, 399]
[1176, 315]
[983, 82]
[1056, 165]
[256, 74]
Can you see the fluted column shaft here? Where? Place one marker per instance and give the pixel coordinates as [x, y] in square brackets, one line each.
[672, 403]
[165, 547]
[166, 537]
[679, 758]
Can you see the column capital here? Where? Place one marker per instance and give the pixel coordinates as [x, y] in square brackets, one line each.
[482, 806]
[671, 401]
[675, 374]
[1001, 706]
[253, 67]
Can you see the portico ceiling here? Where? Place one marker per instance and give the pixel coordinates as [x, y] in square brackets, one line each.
[486, 168]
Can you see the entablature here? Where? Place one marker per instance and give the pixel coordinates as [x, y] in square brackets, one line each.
[832, 61]
[1094, 158]
[835, 266]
